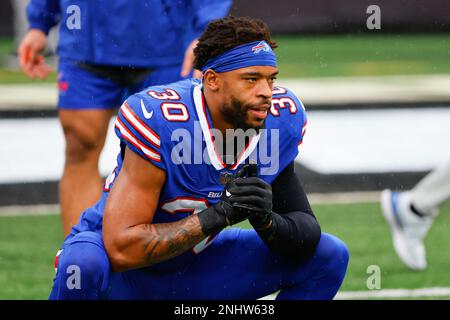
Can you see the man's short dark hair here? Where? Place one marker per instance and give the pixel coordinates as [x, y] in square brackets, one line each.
[224, 34]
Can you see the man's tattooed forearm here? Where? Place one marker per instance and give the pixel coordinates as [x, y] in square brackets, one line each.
[167, 240]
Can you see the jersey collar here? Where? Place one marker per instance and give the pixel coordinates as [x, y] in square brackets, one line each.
[206, 125]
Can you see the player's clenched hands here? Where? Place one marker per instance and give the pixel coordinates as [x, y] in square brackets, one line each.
[31, 60]
[243, 198]
[225, 212]
[253, 197]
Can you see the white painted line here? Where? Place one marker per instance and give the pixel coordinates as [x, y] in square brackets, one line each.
[386, 293]
[314, 198]
[29, 96]
[344, 197]
[339, 90]
[32, 210]
[394, 293]
[330, 90]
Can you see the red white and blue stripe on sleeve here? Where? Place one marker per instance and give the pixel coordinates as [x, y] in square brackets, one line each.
[304, 120]
[303, 131]
[137, 133]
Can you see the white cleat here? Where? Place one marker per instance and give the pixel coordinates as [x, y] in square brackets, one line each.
[408, 229]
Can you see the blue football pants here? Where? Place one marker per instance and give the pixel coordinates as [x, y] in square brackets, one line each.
[237, 265]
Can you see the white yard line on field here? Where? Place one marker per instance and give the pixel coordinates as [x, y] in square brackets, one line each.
[314, 198]
[29, 210]
[344, 197]
[387, 293]
[394, 293]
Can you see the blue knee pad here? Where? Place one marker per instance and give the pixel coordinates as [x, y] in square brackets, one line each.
[83, 268]
[321, 276]
[333, 255]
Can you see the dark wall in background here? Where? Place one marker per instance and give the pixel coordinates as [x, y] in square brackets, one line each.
[329, 16]
[6, 19]
[323, 16]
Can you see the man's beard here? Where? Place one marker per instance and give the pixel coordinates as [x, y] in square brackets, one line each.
[236, 113]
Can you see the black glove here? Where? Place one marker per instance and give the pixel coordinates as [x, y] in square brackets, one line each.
[235, 212]
[226, 212]
[253, 196]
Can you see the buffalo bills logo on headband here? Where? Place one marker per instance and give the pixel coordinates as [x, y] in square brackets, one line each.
[261, 46]
[257, 53]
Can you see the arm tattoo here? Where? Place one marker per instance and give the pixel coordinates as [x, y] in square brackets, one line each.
[167, 240]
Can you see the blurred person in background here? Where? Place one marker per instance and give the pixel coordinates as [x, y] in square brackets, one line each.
[107, 51]
[410, 214]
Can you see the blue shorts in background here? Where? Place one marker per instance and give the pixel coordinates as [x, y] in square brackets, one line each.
[83, 86]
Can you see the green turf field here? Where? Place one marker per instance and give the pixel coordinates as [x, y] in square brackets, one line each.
[337, 55]
[364, 55]
[28, 245]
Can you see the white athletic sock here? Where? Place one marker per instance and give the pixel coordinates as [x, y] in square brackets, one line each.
[432, 191]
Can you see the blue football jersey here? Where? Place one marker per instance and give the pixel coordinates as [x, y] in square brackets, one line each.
[170, 127]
